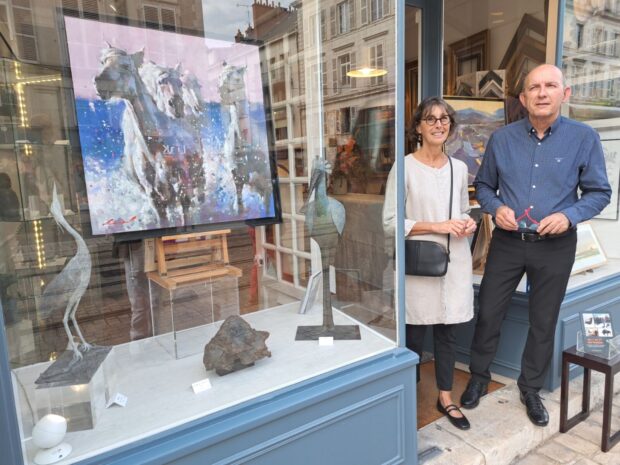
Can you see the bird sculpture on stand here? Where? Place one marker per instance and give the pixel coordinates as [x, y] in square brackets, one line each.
[68, 287]
[325, 219]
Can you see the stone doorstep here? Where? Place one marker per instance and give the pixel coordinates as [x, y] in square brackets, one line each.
[501, 431]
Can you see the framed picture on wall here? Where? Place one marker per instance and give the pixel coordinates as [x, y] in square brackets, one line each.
[476, 119]
[466, 56]
[589, 253]
[609, 132]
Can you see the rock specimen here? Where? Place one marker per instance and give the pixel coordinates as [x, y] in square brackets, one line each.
[235, 346]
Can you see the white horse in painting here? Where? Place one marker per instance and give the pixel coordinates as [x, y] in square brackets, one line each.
[165, 87]
[248, 167]
[162, 153]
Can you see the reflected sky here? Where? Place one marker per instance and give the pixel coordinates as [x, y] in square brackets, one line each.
[222, 19]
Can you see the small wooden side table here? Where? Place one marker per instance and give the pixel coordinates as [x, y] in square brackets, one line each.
[589, 362]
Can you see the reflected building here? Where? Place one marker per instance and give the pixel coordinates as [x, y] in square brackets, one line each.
[592, 57]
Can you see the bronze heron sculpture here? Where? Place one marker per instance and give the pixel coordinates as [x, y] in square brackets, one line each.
[325, 219]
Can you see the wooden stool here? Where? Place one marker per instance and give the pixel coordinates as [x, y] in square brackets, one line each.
[589, 362]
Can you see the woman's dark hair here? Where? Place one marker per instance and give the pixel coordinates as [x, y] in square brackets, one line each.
[423, 110]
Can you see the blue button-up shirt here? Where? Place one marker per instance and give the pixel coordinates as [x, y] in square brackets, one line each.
[537, 177]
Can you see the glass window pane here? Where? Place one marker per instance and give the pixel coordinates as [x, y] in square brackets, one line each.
[286, 234]
[129, 184]
[288, 273]
[303, 239]
[305, 270]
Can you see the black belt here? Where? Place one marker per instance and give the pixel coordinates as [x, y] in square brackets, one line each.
[533, 236]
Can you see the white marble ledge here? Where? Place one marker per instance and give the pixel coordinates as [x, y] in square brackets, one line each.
[579, 280]
[159, 391]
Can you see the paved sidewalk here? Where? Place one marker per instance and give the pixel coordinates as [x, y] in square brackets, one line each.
[579, 446]
[501, 433]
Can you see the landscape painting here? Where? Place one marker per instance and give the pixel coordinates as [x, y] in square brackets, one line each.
[172, 128]
[589, 253]
[476, 119]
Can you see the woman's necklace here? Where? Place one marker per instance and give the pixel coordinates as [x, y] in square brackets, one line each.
[435, 162]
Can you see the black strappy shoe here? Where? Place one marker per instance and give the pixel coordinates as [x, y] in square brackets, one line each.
[459, 422]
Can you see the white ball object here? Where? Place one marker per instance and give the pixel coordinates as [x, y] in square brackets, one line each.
[49, 431]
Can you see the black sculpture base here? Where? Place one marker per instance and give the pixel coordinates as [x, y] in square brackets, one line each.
[64, 372]
[339, 333]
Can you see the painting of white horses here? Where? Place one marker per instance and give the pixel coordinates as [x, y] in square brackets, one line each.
[172, 128]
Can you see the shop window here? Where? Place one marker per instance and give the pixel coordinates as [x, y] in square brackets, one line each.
[155, 155]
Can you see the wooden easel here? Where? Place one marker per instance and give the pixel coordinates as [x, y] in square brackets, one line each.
[190, 258]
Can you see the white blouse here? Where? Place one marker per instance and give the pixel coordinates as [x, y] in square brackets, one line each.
[434, 300]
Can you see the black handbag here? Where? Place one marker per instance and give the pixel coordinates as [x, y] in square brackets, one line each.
[428, 258]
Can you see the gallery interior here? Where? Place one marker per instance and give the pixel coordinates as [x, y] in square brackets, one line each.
[193, 258]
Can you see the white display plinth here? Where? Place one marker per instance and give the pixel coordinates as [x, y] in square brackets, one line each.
[80, 403]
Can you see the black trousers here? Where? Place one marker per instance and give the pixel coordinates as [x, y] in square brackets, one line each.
[444, 341]
[548, 265]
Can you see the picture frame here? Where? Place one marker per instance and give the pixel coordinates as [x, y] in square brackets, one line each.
[589, 253]
[609, 133]
[312, 290]
[465, 56]
[153, 162]
[476, 119]
[597, 331]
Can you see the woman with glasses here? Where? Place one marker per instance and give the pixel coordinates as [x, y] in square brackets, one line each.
[446, 301]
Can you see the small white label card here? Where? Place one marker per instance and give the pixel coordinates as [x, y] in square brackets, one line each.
[326, 341]
[202, 385]
[117, 399]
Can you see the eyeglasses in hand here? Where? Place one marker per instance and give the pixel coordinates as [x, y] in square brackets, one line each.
[431, 120]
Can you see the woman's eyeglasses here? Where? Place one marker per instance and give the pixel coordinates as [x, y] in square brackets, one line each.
[431, 120]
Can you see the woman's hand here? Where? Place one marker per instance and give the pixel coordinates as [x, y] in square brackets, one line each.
[470, 227]
[457, 228]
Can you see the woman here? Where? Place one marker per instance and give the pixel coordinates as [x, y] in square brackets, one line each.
[438, 302]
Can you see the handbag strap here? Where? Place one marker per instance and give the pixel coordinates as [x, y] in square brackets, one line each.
[451, 192]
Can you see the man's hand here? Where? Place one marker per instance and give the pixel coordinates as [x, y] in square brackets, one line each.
[505, 218]
[556, 223]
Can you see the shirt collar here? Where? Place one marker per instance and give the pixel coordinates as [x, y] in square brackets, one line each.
[550, 130]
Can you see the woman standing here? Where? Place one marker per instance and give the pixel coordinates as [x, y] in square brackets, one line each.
[437, 302]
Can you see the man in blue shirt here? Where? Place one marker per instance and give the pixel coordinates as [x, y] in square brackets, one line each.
[539, 178]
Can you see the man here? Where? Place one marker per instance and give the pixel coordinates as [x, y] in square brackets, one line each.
[529, 182]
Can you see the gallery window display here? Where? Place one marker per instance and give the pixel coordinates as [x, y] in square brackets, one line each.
[172, 235]
[591, 67]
